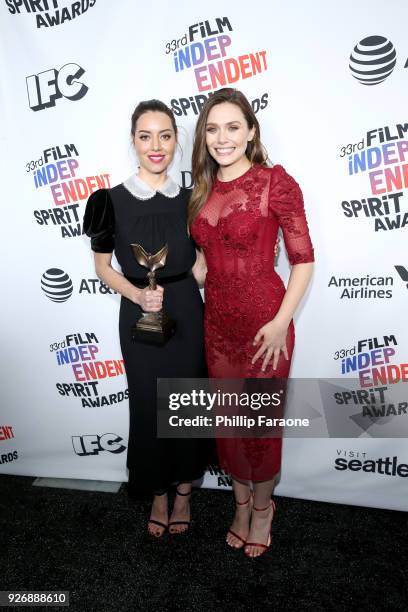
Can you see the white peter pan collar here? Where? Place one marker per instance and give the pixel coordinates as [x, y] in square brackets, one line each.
[140, 190]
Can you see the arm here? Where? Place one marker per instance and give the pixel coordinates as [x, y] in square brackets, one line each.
[299, 280]
[99, 225]
[272, 336]
[286, 203]
[200, 268]
[149, 301]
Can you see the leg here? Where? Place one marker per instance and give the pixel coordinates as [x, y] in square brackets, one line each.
[238, 532]
[180, 517]
[158, 521]
[262, 515]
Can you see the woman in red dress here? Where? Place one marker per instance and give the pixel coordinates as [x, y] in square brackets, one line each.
[237, 207]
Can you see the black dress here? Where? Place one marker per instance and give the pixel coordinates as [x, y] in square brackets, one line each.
[114, 219]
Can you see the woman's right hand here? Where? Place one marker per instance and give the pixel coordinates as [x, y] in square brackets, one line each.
[150, 300]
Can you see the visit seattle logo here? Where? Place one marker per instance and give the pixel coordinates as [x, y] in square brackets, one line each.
[374, 362]
[204, 50]
[79, 353]
[56, 176]
[382, 156]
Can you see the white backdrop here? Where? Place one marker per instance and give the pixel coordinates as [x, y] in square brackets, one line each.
[72, 74]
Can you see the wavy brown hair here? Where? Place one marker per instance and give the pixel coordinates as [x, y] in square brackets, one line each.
[204, 167]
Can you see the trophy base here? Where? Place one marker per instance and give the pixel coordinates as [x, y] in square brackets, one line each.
[153, 329]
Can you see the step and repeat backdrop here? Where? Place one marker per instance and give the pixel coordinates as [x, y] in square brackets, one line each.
[329, 84]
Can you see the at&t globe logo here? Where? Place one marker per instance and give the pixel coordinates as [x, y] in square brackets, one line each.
[56, 285]
[372, 60]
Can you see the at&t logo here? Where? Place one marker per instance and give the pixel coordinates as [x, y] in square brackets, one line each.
[46, 87]
[372, 60]
[56, 285]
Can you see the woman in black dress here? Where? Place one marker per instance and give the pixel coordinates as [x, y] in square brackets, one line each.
[149, 208]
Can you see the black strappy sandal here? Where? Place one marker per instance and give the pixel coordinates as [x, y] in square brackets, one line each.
[159, 523]
[179, 522]
[154, 522]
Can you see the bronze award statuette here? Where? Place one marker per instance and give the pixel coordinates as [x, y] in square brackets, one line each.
[152, 327]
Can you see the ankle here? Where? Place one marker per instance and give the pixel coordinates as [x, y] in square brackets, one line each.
[181, 502]
[243, 500]
[184, 489]
[160, 502]
[262, 514]
[243, 509]
[264, 505]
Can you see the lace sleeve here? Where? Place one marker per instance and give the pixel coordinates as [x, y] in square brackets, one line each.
[286, 203]
[99, 221]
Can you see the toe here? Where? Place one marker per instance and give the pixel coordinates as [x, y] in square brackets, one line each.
[155, 531]
[233, 541]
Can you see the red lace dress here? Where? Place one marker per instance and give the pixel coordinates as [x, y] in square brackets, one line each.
[237, 229]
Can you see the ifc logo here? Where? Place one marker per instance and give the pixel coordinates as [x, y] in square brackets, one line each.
[56, 285]
[372, 60]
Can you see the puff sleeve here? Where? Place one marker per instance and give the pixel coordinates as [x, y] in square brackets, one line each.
[286, 203]
[99, 221]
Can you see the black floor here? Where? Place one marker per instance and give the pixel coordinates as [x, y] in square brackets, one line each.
[324, 556]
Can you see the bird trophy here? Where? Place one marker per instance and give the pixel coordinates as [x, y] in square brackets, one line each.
[152, 327]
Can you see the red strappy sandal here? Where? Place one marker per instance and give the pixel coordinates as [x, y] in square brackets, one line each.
[266, 546]
[237, 503]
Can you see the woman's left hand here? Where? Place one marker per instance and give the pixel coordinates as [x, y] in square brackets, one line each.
[272, 337]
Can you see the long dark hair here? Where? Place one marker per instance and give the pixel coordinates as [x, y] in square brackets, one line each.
[151, 105]
[204, 167]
